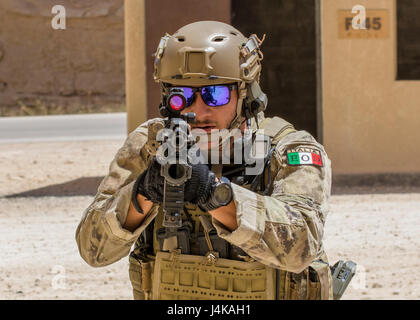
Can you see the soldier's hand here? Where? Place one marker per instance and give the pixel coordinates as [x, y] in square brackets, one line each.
[198, 188]
[150, 183]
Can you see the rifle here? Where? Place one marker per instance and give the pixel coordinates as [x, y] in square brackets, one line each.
[176, 170]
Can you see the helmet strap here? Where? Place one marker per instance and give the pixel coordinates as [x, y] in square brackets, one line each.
[238, 120]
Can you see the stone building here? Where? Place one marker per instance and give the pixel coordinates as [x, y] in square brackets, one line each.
[356, 90]
[80, 66]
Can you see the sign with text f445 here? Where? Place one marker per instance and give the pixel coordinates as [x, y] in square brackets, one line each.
[363, 24]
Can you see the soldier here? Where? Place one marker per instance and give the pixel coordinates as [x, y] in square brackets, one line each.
[243, 236]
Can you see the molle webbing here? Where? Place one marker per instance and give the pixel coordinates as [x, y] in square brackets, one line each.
[276, 128]
[188, 277]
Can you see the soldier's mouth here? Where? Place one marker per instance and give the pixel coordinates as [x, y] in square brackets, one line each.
[205, 128]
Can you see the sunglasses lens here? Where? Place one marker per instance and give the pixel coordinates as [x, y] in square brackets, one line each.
[215, 96]
[188, 93]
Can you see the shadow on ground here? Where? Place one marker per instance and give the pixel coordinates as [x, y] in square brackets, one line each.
[78, 187]
[376, 183]
[342, 184]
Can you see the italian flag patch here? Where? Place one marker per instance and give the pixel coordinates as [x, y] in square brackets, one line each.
[304, 157]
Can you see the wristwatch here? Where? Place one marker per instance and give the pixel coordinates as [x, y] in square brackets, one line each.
[220, 195]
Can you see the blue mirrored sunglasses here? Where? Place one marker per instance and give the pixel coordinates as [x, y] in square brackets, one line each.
[213, 96]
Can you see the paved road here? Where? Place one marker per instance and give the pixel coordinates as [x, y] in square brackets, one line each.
[63, 127]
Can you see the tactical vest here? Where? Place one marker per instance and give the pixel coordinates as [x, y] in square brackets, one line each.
[208, 267]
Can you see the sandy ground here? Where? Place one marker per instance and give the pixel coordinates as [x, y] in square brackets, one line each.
[39, 258]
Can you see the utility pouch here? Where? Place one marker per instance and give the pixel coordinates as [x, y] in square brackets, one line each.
[136, 278]
[313, 283]
[342, 273]
[295, 286]
[141, 272]
[319, 281]
[219, 245]
[183, 238]
[190, 277]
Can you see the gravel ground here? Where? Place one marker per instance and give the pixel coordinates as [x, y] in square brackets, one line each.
[44, 188]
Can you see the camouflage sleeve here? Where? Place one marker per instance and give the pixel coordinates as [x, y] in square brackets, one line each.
[284, 230]
[100, 237]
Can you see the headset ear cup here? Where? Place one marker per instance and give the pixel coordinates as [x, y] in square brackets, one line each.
[257, 106]
[256, 100]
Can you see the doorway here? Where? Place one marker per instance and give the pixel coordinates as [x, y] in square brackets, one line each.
[289, 75]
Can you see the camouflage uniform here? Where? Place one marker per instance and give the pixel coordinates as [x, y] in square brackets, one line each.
[283, 231]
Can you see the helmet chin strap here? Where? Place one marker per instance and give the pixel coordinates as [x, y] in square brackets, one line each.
[238, 120]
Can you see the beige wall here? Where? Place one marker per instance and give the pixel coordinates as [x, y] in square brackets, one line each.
[145, 24]
[371, 122]
[135, 63]
[175, 15]
[81, 65]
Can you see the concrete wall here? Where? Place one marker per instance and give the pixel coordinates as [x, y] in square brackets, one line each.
[370, 121]
[146, 22]
[83, 64]
[288, 75]
[135, 60]
[167, 16]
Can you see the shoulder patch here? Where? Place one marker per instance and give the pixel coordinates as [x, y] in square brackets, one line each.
[300, 156]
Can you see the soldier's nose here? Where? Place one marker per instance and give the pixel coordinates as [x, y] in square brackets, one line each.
[198, 107]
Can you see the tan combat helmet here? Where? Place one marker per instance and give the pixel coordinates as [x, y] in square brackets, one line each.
[212, 52]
